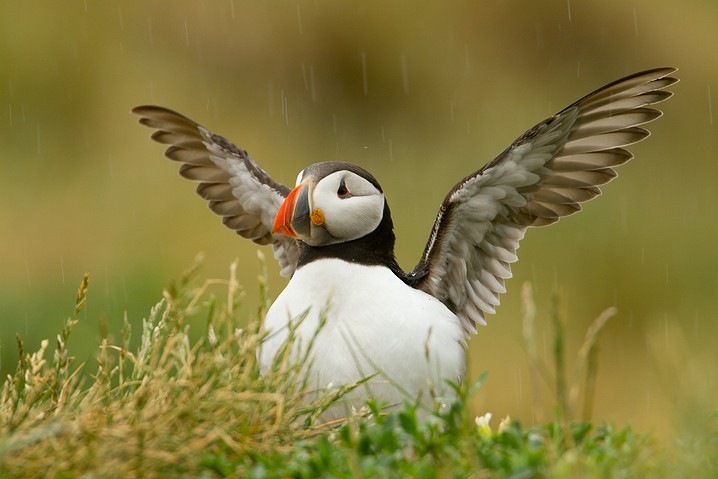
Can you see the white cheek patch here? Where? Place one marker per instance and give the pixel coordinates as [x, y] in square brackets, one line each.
[349, 218]
[355, 217]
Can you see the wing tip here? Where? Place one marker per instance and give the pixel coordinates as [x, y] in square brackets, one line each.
[665, 71]
[155, 116]
[148, 109]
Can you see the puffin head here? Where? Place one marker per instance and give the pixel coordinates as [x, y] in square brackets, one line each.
[332, 203]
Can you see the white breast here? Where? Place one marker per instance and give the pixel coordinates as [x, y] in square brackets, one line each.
[374, 324]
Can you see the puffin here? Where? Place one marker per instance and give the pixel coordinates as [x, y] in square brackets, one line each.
[353, 314]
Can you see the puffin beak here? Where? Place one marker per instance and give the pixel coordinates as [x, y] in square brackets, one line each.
[293, 216]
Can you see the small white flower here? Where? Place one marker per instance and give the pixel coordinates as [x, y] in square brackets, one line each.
[505, 423]
[535, 440]
[482, 422]
[212, 336]
[362, 412]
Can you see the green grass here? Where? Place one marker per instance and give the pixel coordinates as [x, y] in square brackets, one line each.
[173, 406]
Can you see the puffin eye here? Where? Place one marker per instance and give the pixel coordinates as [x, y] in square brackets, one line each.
[343, 192]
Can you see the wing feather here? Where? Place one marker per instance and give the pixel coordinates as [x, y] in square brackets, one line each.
[543, 176]
[235, 187]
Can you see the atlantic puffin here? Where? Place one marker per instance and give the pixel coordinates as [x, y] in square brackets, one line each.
[355, 313]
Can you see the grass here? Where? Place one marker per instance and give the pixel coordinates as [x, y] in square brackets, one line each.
[176, 407]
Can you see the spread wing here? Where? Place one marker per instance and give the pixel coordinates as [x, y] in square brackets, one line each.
[545, 174]
[236, 187]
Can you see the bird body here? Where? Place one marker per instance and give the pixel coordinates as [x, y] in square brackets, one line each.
[373, 322]
[348, 298]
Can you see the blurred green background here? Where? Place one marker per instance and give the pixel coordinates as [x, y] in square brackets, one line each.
[419, 94]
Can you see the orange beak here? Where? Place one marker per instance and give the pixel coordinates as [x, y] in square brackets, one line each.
[293, 216]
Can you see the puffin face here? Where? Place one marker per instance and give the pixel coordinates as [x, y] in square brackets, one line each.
[331, 204]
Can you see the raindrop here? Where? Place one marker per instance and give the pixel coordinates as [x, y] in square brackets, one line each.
[85, 5]
[304, 77]
[568, 6]
[231, 8]
[122, 18]
[285, 108]
[186, 33]
[149, 30]
[312, 84]
[710, 105]
[299, 20]
[365, 81]
[62, 270]
[391, 151]
[578, 70]
[635, 21]
[38, 138]
[451, 107]
[10, 108]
